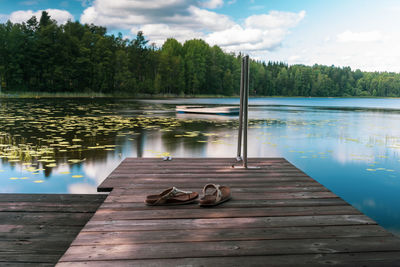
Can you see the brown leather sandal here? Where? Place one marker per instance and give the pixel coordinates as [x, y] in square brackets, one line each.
[171, 196]
[219, 195]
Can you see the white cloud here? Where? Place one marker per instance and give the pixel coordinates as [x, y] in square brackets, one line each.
[274, 20]
[349, 36]
[235, 35]
[211, 4]
[159, 32]
[61, 16]
[381, 55]
[295, 59]
[207, 20]
[188, 19]
[127, 14]
[259, 32]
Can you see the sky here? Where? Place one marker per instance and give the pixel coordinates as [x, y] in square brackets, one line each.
[362, 34]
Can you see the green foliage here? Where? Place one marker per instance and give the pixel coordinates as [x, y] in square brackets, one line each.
[41, 56]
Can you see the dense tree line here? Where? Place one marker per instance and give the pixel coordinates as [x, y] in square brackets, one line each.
[41, 56]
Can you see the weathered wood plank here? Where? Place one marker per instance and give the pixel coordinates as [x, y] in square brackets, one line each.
[47, 207]
[77, 219]
[45, 245]
[234, 203]
[205, 170]
[278, 214]
[23, 234]
[202, 159]
[189, 175]
[373, 259]
[36, 229]
[234, 189]
[36, 257]
[193, 185]
[242, 196]
[61, 198]
[227, 234]
[199, 184]
[221, 223]
[198, 163]
[26, 264]
[105, 214]
[231, 248]
[181, 182]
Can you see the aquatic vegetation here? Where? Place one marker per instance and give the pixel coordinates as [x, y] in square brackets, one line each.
[47, 137]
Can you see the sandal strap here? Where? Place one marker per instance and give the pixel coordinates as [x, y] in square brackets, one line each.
[218, 197]
[170, 193]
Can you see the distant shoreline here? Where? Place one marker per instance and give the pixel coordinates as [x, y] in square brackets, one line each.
[27, 95]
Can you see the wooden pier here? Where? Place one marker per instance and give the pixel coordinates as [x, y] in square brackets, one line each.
[278, 216]
[37, 229]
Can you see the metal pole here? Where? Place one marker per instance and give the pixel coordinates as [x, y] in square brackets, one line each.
[239, 149]
[246, 108]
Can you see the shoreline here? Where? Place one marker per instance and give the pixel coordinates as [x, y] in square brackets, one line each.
[28, 95]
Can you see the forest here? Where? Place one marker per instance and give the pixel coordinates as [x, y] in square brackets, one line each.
[42, 56]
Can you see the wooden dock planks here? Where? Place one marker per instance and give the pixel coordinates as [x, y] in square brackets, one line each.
[36, 229]
[278, 216]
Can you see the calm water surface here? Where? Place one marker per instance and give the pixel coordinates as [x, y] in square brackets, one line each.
[70, 145]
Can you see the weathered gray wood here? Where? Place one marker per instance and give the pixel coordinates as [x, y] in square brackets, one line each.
[36, 229]
[197, 186]
[59, 218]
[197, 170]
[35, 257]
[234, 189]
[26, 264]
[373, 259]
[245, 181]
[241, 196]
[61, 198]
[107, 214]
[47, 207]
[278, 216]
[197, 160]
[227, 176]
[42, 245]
[231, 248]
[225, 234]
[221, 223]
[234, 203]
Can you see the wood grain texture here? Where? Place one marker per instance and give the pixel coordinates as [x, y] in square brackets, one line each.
[36, 229]
[370, 259]
[278, 216]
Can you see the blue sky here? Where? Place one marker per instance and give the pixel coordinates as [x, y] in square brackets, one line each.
[360, 34]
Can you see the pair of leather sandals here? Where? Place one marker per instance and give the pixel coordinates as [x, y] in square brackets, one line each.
[213, 194]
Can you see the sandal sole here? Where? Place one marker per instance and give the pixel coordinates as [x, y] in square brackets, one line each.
[172, 204]
[215, 204]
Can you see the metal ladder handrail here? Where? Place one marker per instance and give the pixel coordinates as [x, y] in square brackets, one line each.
[244, 110]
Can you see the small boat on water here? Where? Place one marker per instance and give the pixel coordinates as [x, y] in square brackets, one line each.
[211, 110]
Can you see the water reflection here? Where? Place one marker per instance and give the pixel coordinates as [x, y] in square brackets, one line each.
[70, 146]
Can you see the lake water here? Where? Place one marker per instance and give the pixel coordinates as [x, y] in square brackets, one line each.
[349, 145]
